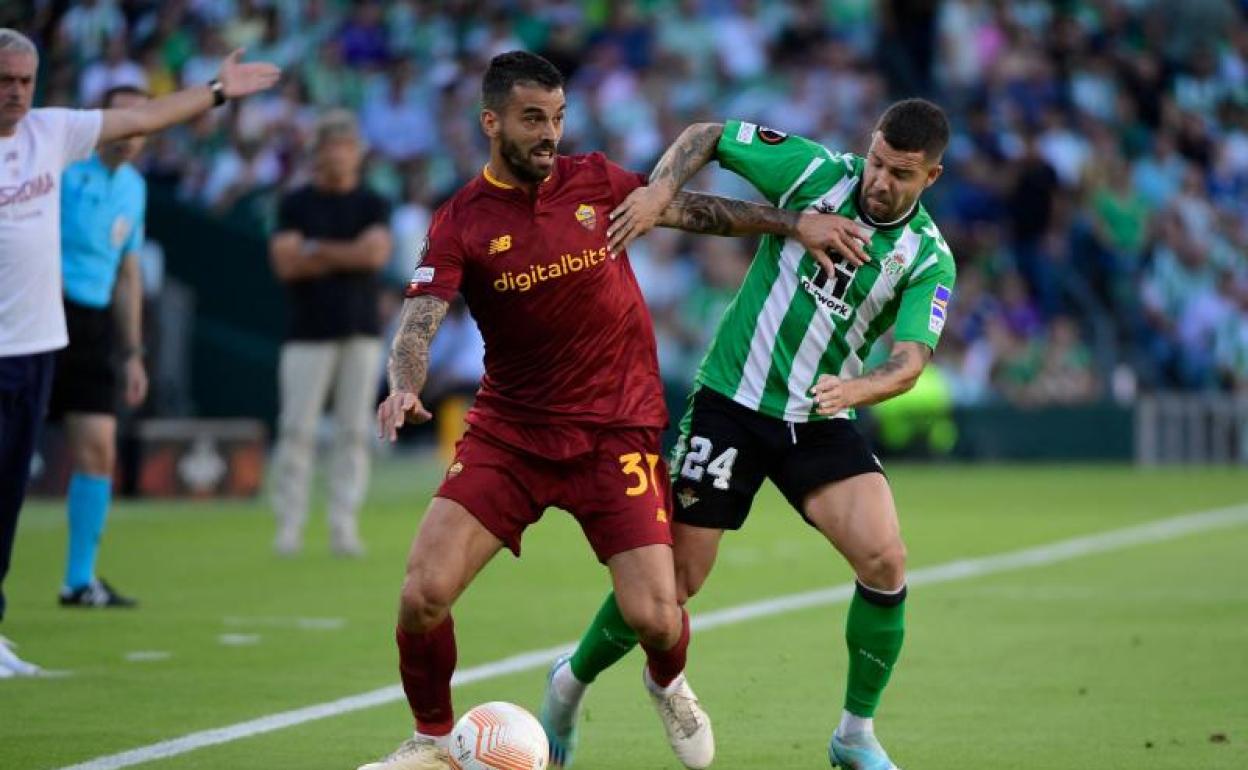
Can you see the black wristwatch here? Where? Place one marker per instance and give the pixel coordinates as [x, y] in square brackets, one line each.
[218, 92]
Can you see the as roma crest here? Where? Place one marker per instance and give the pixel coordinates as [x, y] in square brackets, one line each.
[586, 216]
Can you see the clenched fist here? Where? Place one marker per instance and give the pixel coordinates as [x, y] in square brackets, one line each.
[833, 394]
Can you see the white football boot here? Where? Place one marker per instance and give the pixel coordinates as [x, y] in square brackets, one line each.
[687, 724]
[11, 665]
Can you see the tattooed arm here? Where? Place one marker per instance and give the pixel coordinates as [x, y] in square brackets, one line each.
[713, 215]
[409, 364]
[892, 378]
[693, 149]
[661, 203]
[827, 237]
[642, 209]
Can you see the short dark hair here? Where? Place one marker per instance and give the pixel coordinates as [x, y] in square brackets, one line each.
[512, 68]
[123, 90]
[916, 125]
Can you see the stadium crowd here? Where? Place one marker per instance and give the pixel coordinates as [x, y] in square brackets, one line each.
[1095, 195]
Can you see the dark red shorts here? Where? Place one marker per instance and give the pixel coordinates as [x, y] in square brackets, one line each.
[618, 492]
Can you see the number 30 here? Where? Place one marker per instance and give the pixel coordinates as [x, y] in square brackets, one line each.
[720, 468]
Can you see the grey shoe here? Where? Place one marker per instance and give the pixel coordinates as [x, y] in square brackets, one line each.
[413, 754]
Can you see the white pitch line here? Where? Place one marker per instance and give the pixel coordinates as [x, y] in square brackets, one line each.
[1039, 556]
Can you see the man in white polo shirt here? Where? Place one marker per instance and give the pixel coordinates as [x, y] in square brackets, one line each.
[35, 146]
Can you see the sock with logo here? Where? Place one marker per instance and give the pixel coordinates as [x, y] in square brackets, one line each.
[87, 508]
[426, 663]
[607, 639]
[873, 631]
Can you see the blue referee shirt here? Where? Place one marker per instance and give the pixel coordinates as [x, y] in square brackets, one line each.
[102, 215]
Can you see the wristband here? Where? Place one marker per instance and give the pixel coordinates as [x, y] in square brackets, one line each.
[218, 92]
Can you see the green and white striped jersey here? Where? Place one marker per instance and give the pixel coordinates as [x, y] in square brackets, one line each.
[790, 321]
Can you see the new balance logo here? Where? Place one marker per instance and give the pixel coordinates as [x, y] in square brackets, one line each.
[872, 658]
[500, 244]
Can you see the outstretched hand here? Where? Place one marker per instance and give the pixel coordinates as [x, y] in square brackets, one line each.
[399, 407]
[243, 79]
[635, 216]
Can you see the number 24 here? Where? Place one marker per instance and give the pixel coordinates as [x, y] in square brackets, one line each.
[720, 468]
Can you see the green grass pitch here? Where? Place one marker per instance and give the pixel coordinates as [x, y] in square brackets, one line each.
[1134, 659]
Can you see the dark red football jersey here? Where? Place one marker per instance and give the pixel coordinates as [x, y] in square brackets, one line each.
[569, 344]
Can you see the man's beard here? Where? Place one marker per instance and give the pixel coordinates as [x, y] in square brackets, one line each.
[520, 162]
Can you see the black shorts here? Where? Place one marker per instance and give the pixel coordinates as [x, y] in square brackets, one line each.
[86, 371]
[726, 450]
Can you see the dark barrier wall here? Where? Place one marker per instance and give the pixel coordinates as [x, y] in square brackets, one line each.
[1093, 432]
[239, 306]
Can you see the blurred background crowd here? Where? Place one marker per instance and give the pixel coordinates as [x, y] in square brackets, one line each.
[1095, 195]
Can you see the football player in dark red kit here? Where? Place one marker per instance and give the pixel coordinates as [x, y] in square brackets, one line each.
[570, 410]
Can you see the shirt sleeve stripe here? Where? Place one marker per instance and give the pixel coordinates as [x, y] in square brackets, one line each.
[810, 169]
[931, 260]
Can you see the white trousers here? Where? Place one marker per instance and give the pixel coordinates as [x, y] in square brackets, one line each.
[307, 371]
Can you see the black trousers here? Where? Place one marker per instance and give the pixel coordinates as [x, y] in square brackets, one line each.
[25, 383]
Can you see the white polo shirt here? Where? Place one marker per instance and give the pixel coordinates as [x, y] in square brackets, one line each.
[32, 317]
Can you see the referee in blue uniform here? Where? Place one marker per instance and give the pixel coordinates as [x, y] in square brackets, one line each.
[103, 202]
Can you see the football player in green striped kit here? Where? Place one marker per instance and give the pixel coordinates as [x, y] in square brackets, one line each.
[775, 396]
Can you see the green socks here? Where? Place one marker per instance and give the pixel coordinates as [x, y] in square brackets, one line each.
[606, 640]
[873, 631]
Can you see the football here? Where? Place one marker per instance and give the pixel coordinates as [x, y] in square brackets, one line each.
[498, 736]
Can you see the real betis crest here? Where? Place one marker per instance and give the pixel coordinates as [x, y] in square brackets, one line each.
[894, 265]
[687, 497]
[586, 216]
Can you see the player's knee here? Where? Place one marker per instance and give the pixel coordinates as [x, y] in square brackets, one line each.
[885, 568]
[688, 583]
[98, 458]
[424, 603]
[657, 622]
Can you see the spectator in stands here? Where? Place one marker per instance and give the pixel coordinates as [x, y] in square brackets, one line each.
[408, 225]
[331, 243]
[1117, 220]
[115, 69]
[1181, 276]
[1064, 371]
[363, 36]
[249, 163]
[1039, 94]
[1030, 203]
[88, 25]
[1231, 342]
[395, 116]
